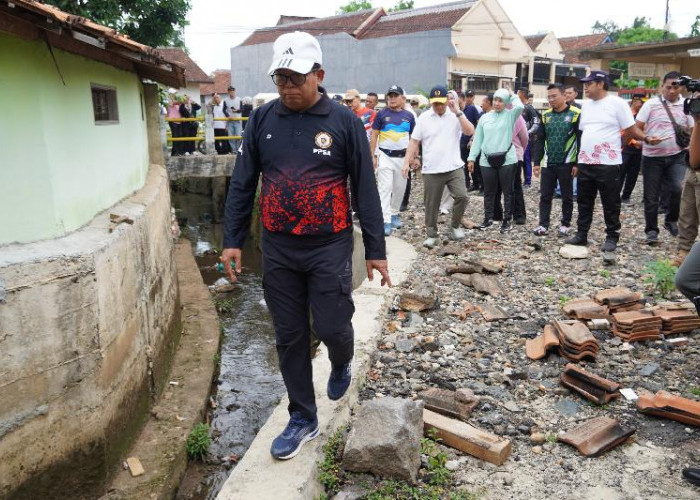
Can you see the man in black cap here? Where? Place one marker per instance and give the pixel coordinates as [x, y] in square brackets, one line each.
[304, 147]
[439, 130]
[600, 157]
[391, 131]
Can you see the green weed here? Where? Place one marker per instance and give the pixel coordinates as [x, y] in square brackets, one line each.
[329, 468]
[549, 281]
[198, 441]
[224, 306]
[661, 276]
[695, 391]
[563, 299]
[604, 273]
[551, 437]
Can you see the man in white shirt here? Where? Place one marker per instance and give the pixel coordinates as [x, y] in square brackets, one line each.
[603, 116]
[663, 163]
[232, 109]
[439, 130]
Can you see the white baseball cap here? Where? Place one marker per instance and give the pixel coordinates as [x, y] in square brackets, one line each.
[296, 51]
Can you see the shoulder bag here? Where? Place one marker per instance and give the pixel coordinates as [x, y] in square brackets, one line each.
[497, 160]
[682, 133]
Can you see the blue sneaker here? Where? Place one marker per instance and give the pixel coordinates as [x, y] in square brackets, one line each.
[387, 229]
[339, 381]
[396, 222]
[299, 430]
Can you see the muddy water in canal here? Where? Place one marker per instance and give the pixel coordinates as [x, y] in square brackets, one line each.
[248, 385]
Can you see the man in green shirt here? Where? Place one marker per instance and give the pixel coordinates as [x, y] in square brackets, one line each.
[561, 138]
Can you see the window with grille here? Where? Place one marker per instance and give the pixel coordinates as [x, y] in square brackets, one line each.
[104, 104]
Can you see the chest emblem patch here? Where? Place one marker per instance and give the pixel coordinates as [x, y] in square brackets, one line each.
[323, 140]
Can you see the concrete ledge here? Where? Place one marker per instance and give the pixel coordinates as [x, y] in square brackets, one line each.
[200, 166]
[261, 477]
[161, 445]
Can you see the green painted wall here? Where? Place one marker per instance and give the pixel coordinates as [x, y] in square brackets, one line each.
[58, 169]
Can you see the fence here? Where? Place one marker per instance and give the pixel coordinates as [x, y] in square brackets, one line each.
[205, 134]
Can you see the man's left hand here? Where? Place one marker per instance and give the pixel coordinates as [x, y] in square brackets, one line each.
[383, 267]
[453, 107]
[574, 171]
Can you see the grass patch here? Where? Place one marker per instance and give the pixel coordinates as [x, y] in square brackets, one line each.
[563, 299]
[551, 437]
[549, 281]
[695, 391]
[329, 468]
[661, 275]
[198, 441]
[604, 273]
[224, 305]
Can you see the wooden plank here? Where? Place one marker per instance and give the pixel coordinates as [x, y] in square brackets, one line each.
[467, 438]
[135, 467]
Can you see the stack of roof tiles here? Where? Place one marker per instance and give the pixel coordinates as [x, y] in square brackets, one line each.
[664, 404]
[590, 386]
[573, 339]
[585, 308]
[619, 299]
[635, 326]
[677, 320]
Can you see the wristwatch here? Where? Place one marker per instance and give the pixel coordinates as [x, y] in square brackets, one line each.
[459, 114]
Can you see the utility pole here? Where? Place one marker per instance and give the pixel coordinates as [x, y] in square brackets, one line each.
[666, 26]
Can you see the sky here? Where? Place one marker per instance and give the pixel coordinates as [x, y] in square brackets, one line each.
[217, 25]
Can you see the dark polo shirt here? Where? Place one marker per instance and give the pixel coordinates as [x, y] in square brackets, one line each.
[305, 160]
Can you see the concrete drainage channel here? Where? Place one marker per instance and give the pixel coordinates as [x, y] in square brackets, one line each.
[248, 385]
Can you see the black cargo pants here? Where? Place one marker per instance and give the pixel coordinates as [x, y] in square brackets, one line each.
[308, 283]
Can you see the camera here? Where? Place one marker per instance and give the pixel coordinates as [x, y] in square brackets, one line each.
[691, 106]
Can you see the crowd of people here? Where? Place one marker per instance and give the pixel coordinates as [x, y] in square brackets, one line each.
[302, 150]
[579, 152]
[231, 106]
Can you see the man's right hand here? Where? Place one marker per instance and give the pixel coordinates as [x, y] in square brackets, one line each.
[536, 170]
[470, 167]
[404, 169]
[231, 259]
[374, 160]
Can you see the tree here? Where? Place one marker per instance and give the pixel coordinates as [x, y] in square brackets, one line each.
[402, 5]
[151, 22]
[609, 27]
[695, 28]
[354, 6]
[643, 34]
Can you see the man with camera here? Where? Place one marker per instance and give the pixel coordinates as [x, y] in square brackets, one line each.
[665, 162]
[689, 213]
[688, 276]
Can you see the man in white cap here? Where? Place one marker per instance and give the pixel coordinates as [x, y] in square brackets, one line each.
[305, 147]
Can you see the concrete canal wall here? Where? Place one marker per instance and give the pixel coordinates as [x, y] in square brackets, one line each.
[88, 324]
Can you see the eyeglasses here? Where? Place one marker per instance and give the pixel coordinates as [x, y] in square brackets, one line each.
[297, 79]
[347, 102]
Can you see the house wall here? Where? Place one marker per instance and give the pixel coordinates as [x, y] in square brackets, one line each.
[486, 34]
[550, 48]
[63, 168]
[416, 61]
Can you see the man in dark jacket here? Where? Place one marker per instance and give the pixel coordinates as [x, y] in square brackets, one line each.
[304, 146]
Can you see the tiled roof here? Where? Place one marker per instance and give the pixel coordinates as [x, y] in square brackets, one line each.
[572, 45]
[535, 40]
[375, 23]
[415, 20]
[222, 81]
[63, 30]
[292, 19]
[344, 23]
[193, 73]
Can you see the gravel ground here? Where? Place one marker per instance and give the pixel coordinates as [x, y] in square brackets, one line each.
[520, 397]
